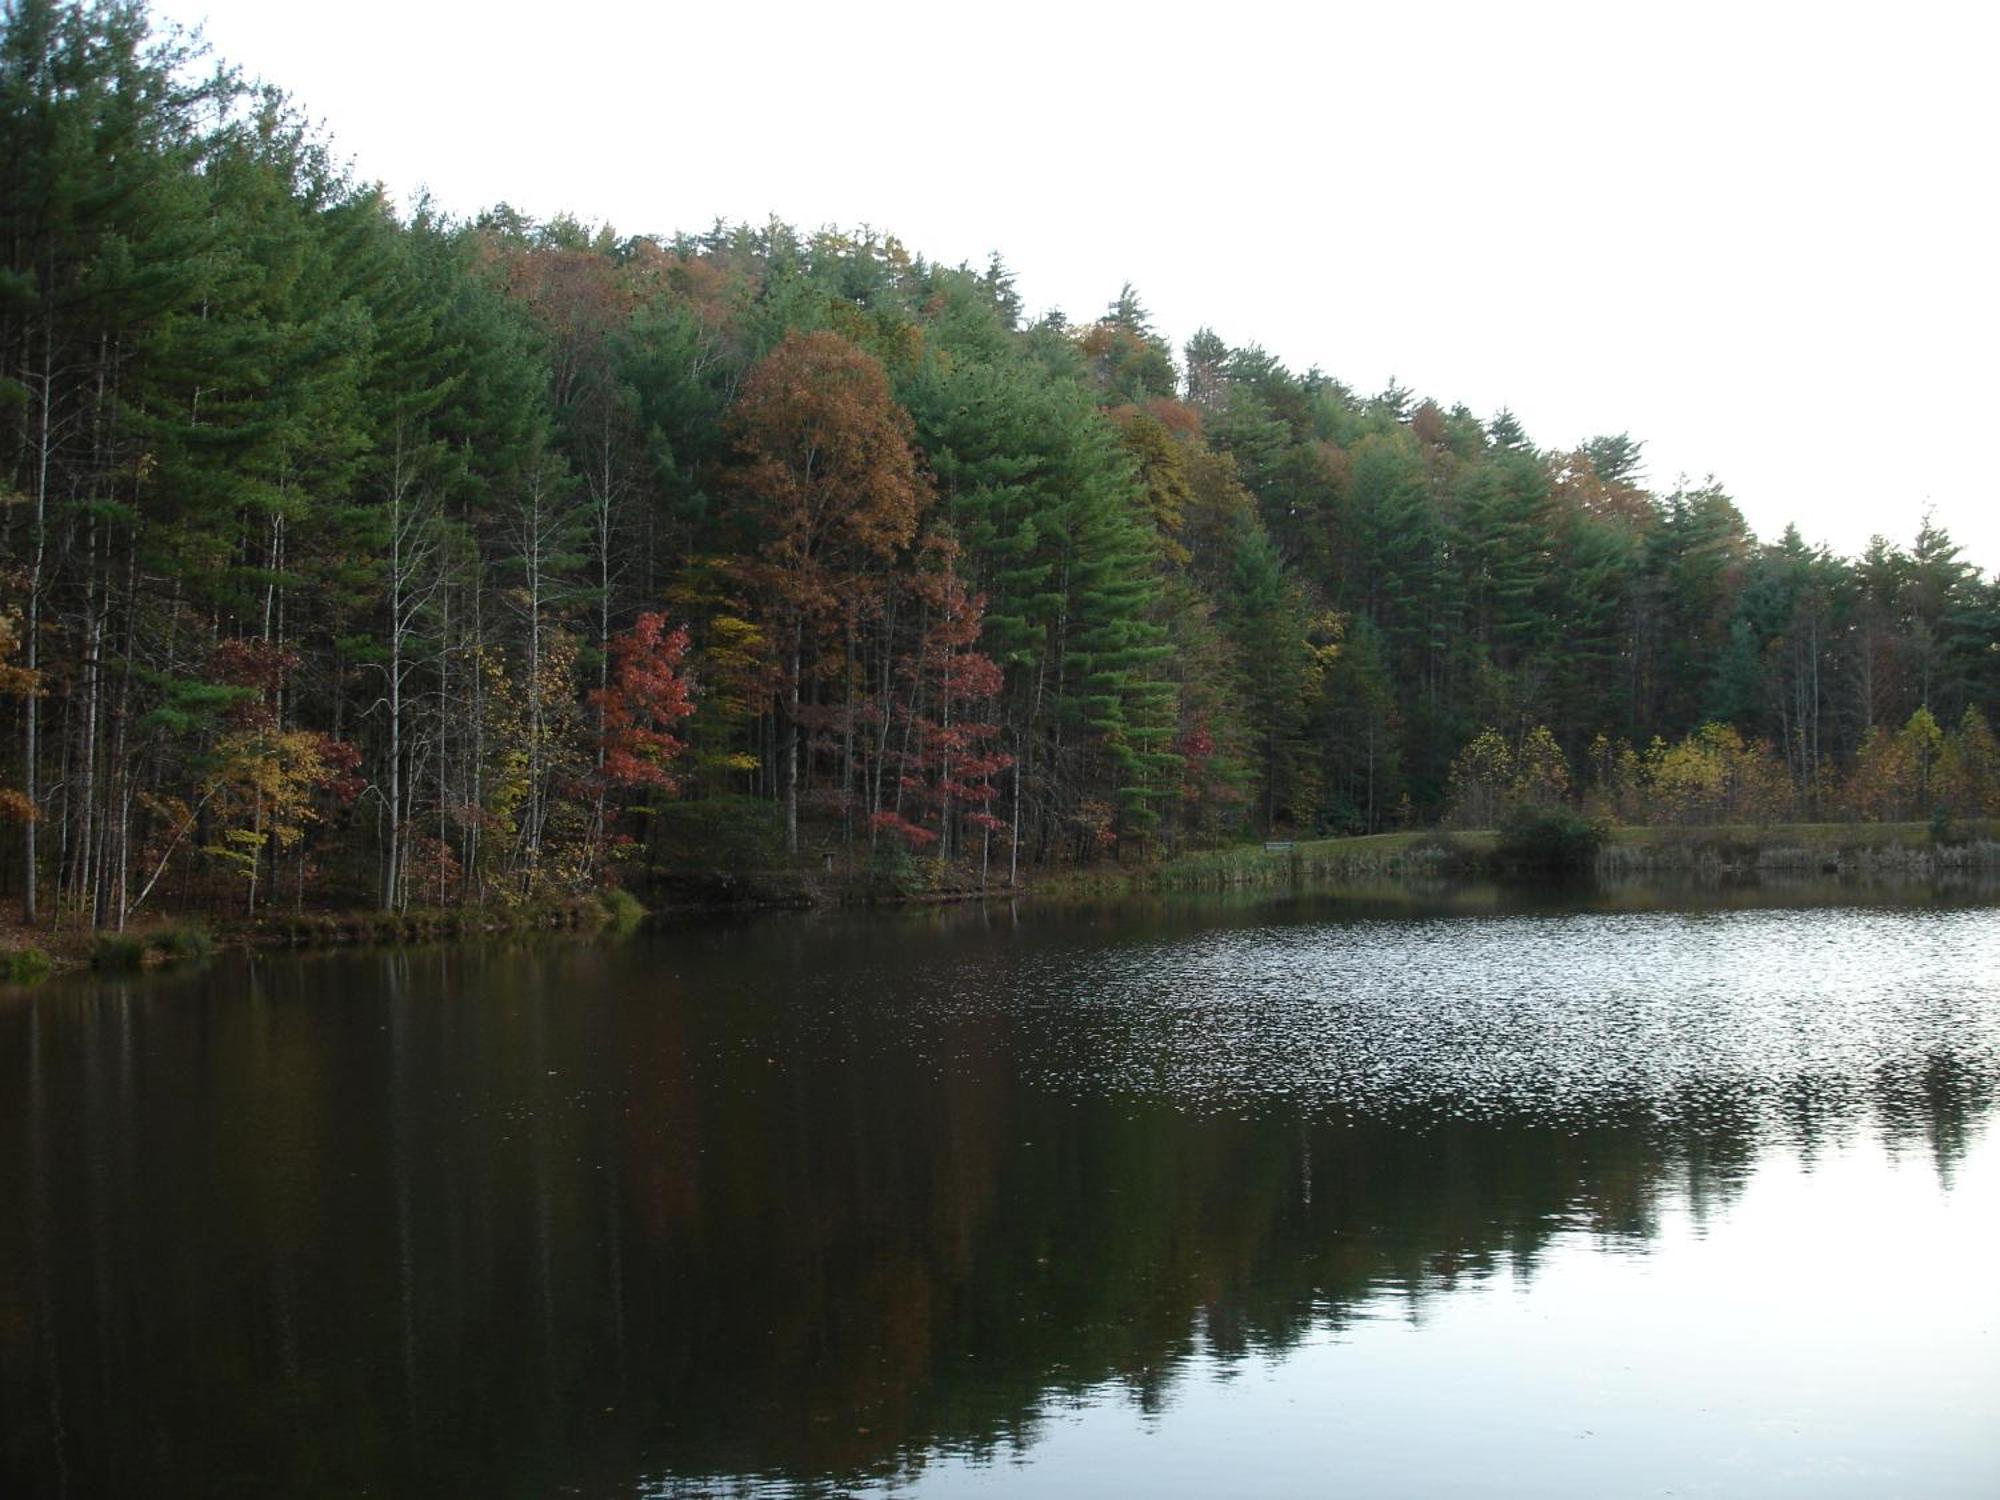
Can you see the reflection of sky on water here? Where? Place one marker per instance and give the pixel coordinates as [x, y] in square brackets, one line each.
[1789, 1347]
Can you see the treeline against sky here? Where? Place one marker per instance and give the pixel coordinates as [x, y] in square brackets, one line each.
[354, 555]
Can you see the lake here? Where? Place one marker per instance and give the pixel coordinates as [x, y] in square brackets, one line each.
[1462, 1193]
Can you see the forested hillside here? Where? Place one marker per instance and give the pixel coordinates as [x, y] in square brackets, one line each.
[349, 556]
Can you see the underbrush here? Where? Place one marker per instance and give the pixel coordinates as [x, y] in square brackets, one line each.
[177, 940]
[1549, 838]
[117, 952]
[24, 965]
[622, 910]
[612, 910]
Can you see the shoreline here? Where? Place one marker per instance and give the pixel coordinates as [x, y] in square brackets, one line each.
[1860, 849]
[1858, 852]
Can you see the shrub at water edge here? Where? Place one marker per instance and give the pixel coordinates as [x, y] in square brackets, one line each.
[1549, 838]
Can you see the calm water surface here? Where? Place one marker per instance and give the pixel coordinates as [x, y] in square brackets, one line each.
[1331, 1197]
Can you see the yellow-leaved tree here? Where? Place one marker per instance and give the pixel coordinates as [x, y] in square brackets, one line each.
[1491, 778]
[1480, 778]
[260, 792]
[1714, 776]
[1968, 769]
[1895, 775]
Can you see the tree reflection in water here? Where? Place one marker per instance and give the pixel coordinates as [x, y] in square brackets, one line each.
[737, 1203]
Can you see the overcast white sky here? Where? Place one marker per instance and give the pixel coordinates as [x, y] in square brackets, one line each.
[1760, 238]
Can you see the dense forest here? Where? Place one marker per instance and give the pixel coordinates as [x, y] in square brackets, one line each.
[352, 555]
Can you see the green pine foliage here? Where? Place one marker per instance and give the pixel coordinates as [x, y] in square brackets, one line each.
[320, 524]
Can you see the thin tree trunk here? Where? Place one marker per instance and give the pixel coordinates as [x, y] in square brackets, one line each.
[1014, 833]
[788, 768]
[29, 913]
[83, 890]
[392, 867]
[847, 739]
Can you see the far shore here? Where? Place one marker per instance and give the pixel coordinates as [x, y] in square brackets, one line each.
[1851, 851]
[1859, 849]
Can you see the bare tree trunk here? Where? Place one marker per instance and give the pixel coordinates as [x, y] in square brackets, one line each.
[33, 659]
[847, 738]
[120, 832]
[788, 763]
[82, 890]
[413, 543]
[945, 843]
[1014, 833]
[444, 741]
[392, 868]
[533, 832]
[604, 503]
[884, 719]
[474, 882]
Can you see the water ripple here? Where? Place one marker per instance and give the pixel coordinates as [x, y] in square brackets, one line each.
[1571, 1018]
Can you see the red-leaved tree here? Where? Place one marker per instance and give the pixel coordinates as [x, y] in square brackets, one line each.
[639, 706]
[827, 496]
[949, 753]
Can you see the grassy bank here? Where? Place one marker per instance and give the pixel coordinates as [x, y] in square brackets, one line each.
[27, 958]
[611, 910]
[1830, 848]
[1251, 866]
